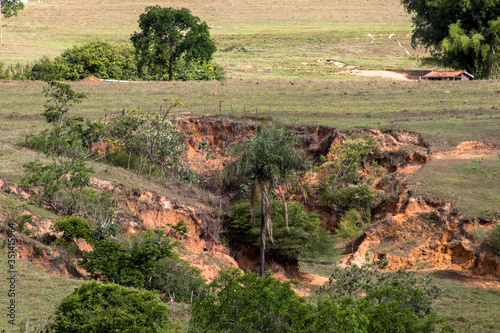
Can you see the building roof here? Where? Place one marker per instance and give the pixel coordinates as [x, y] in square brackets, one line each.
[446, 74]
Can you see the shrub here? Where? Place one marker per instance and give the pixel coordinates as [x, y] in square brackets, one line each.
[492, 239]
[99, 308]
[131, 261]
[383, 287]
[305, 239]
[176, 279]
[351, 226]
[343, 184]
[236, 302]
[73, 227]
[57, 69]
[97, 58]
[196, 70]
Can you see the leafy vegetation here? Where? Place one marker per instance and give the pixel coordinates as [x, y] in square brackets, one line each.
[108, 61]
[73, 227]
[130, 261]
[352, 226]
[367, 299]
[461, 35]
[304, 239]
[343, 184]
[236, 302]
[168, 34]
[144, 260]
[96, 58]
[393, 302]
[265, 162]
[98, 307]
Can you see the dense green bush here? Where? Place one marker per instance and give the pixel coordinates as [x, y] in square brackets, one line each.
[364, 300]
[196, 70]
[73, 227]
[367, 299]
[144, 260]
[343, 183]
[106, 60]
[306, 238]
[102, 308]
[351, 226]
[97, 58]
[176, 279]
[234, 302]
[129, 261]
[57, 69]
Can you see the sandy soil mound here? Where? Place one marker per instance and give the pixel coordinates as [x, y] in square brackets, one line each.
[91, 79]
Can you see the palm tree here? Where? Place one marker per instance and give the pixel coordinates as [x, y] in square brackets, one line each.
[267, 160]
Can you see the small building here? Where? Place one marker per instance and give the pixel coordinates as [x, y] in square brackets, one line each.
[448, 75]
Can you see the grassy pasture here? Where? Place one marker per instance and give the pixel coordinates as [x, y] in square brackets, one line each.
[446, 112]
[471, 184]
[37, 293]
[466, 304]
[279, 36]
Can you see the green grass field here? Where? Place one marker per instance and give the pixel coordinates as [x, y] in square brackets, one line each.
[37, 293]
[278, 35]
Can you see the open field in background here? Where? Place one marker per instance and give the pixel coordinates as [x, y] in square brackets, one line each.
[445, 112]
[258, 38]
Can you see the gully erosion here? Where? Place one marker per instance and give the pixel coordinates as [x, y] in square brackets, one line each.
[410, 230]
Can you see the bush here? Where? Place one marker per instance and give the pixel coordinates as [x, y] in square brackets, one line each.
[131, 261]
[381, 301]
[306, 238]
[360, 300]
[101, 308]
[343, 184]
[195, 70]
[73, 227]
[57, 69]
[106, 60]
[97, 58]
[351, 226]
[234, 302]
[176, 279]
[492, 239]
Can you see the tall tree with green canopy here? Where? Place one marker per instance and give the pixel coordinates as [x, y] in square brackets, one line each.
[266, 161]
[9, 8]
[461, 34]
[168, 34]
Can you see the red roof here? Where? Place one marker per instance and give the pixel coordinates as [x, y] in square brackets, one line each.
[447, 74]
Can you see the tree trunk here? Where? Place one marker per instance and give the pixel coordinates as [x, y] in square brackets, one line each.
[170, 69]
[262, 234]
